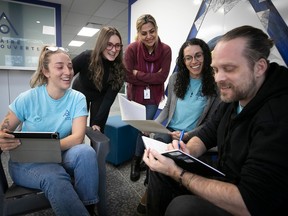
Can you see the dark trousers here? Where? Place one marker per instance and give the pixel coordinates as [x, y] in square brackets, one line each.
[94, 101]
[166, 197]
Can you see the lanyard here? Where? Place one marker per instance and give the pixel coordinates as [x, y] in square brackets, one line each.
[151, 68]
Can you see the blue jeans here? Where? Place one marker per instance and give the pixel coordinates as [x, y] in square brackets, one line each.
[166, 138]
[150, 113]
[54, 180]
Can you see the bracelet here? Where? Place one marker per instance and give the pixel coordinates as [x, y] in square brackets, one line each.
[188, 183]
[180, 177]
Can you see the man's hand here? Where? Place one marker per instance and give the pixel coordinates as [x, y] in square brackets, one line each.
[174, 145]
[159, 163]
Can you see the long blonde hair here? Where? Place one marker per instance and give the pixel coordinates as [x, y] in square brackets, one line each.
[38, 78]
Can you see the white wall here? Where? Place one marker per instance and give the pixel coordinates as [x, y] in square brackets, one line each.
[176, 17]
[12, 83]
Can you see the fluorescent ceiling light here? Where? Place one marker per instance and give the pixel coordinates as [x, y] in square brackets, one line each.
[88, 32]
[76, 43]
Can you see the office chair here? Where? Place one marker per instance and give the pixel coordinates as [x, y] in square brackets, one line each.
[17, 200]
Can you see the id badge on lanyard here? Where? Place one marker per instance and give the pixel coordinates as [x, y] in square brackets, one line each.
[147, 94]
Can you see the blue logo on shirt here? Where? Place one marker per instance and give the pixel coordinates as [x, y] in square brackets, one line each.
[67, 115]
[37, 118]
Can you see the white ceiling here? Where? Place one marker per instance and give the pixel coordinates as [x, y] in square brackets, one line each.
[75, 14]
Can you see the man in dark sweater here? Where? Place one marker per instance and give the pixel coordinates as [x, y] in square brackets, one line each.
[249, 128]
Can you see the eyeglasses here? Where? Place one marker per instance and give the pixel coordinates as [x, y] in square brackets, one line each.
[55, 48]
[198, 57]
[111, 45]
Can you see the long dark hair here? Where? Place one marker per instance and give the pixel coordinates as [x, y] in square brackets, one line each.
[96, 64]
[182, 79]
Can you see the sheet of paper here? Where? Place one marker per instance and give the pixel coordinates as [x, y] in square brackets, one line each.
[131, 110]
[134, 114]
[154, 144]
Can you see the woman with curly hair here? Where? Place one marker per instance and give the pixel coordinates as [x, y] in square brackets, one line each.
[101, 75]
[192, 96]
[192, 92]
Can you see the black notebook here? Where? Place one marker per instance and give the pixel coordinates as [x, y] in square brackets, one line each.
[37, 147]
[183, 159]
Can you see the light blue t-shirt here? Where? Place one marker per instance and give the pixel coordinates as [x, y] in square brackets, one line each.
[189, 110]
[41, 113]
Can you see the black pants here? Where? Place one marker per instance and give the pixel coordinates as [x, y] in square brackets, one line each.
[94, 101]
[166, 197]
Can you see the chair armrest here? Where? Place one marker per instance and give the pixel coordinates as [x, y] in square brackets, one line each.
[101, 144]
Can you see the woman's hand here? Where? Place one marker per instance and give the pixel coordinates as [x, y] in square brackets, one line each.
[8, 141]
[176, 135]
[145, 133]
[135, 72]
[96, 127]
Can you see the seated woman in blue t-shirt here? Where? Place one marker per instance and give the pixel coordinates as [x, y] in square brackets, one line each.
[192, 96]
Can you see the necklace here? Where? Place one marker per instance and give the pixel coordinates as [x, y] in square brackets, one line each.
[193, 87]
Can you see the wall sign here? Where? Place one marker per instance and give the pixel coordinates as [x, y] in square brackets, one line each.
[24, 28]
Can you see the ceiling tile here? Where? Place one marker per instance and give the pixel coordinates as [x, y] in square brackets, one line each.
[75, 14]
[86, 7]
[110, 9]
[76, 19]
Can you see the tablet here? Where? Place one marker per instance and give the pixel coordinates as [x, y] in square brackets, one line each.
[183, 159]
[37, 147]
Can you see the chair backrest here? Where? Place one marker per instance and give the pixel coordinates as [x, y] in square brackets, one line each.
[15, 200]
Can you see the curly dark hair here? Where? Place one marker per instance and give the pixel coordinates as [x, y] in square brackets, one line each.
[182, 79]
[96, 64]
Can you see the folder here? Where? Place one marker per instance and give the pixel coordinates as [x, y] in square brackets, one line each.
[134, 114]
[183, 159]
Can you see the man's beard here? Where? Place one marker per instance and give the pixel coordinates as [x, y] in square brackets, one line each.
[238, 93]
